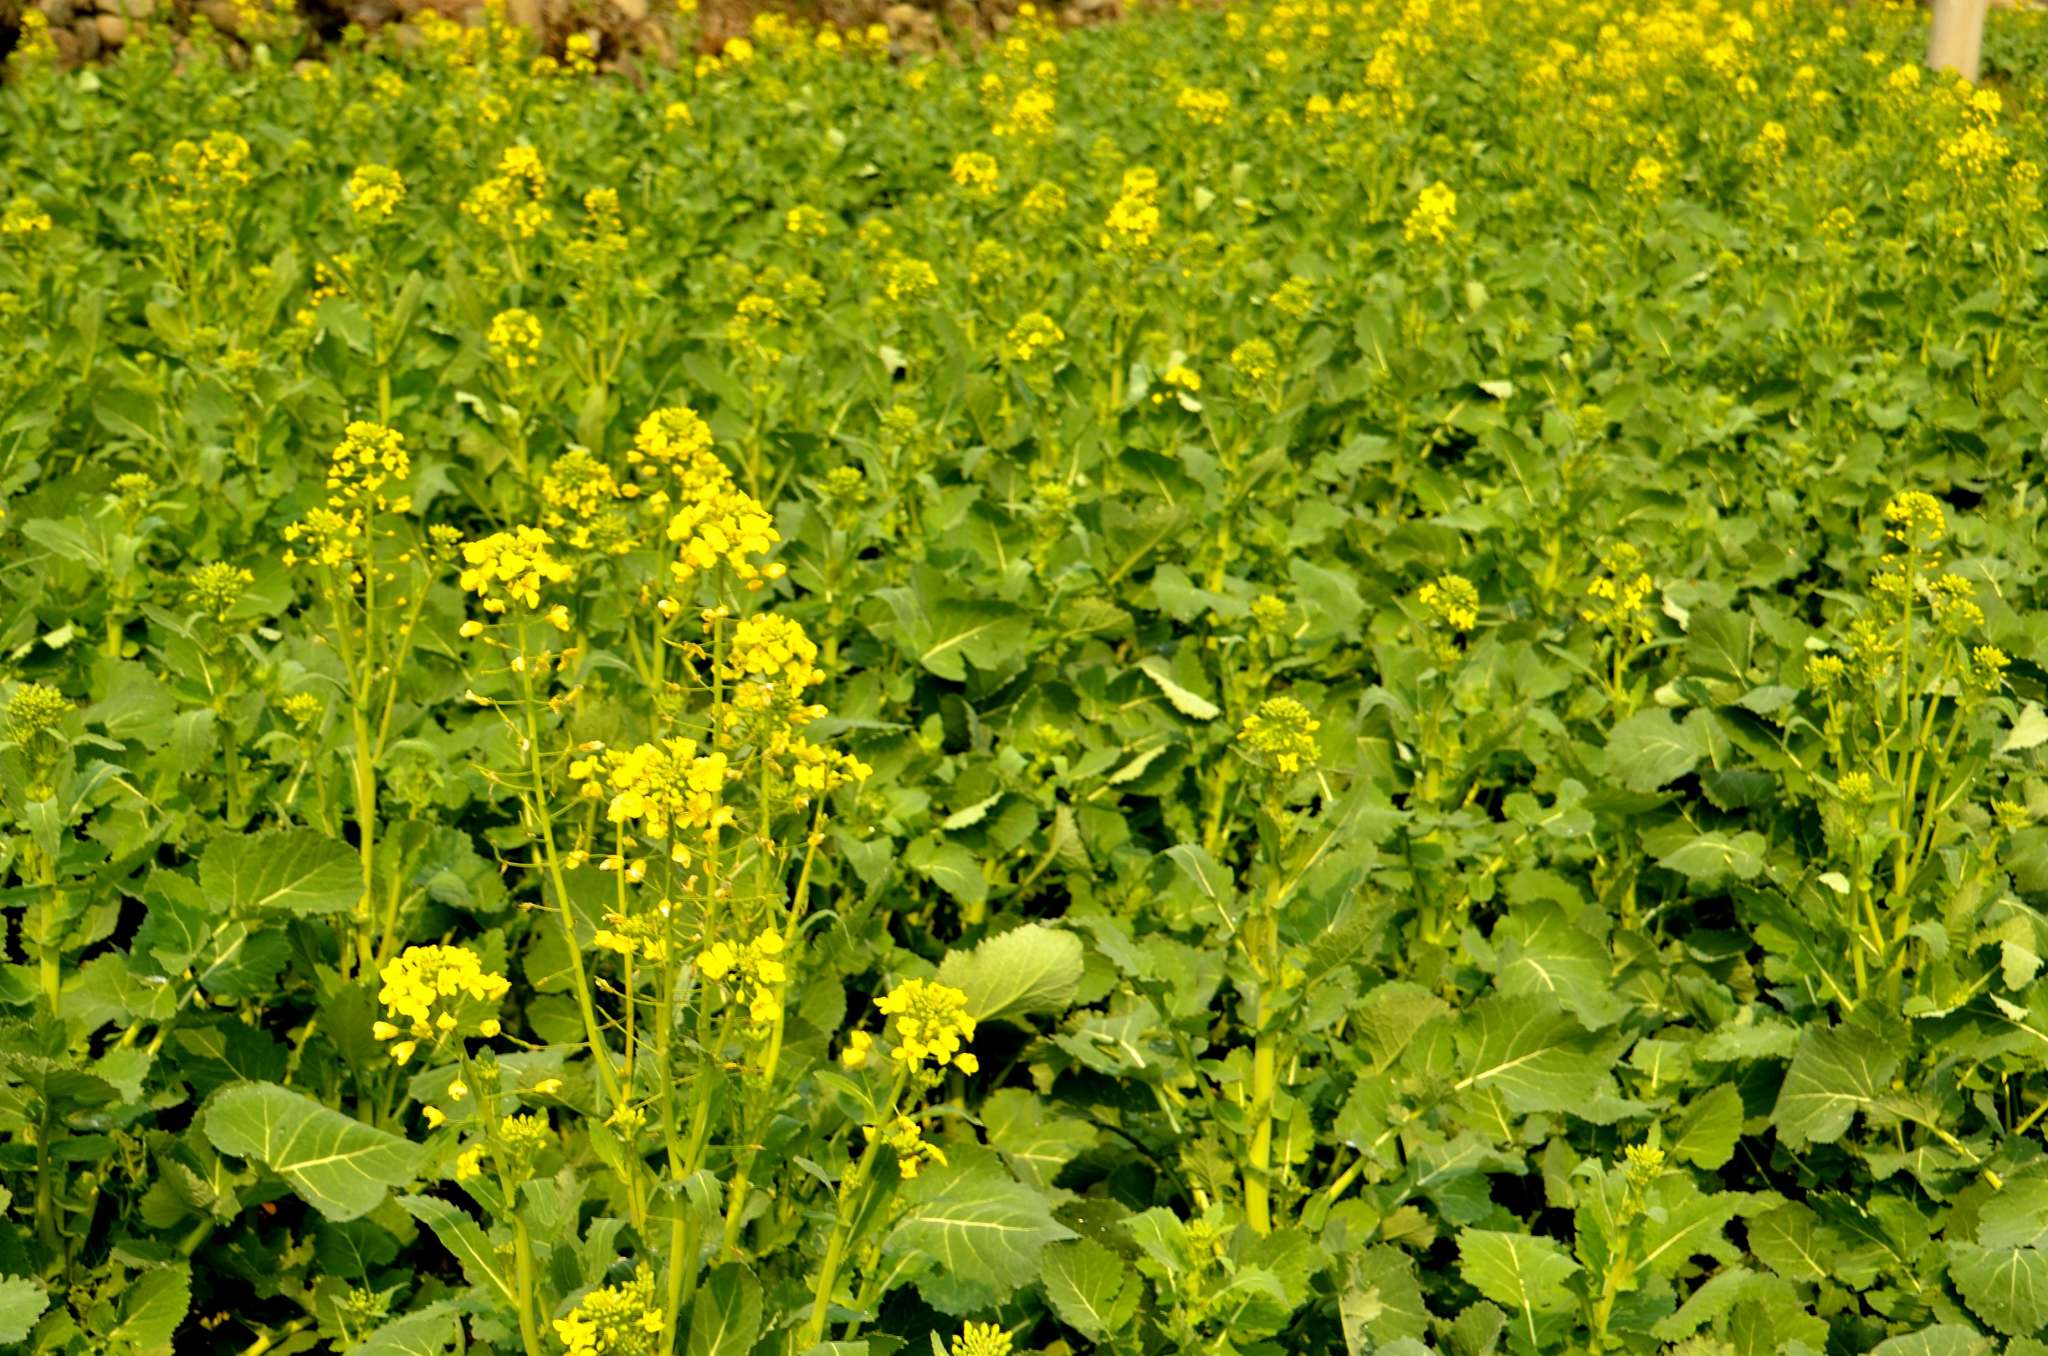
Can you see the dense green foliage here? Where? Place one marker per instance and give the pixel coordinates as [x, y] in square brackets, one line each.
[1403, 641]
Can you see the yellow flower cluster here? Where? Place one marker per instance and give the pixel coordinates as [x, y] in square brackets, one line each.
[618, 1320]
[1646, 177]
[1044, 204]
[767, 645]
[513, 567]
[202, 171]
[908, 279]
[976, 172]
[512, 204]
[1973, 152]
[32, 709]
[906, 1137]
[1281, 734]
[1133, 223]
[1434, 216]
[578, 495]
[23, 217]
[1770, 145]
[368, 458]
[1032, 335]
[1254, 360]
[1618, 598]
[374, 192]
[514, 337]
[754, 970]
[1915, 520]
[215, 587]
[932, 1028]
[723, 525]
[1029, 119]
[436, 991]
[1207, 107]
[981, 1339]
[678, 439]
[1451, 602]
[668, 789]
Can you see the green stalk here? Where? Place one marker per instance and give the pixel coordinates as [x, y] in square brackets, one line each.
[852, 1190]
[537, 805]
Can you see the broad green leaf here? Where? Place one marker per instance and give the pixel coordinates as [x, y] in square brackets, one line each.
[1943, 1339]
[977, 1226]
[1529, 1051]
[1525, 1273]
[334, 1162]
[1203, 871]
[1710, 1301]
[1835, 1074]
[1707, 1131]
[725, 1318]
[151, 1309]
[1712, 858]
[1682, 1222]
[1025, 971]
[1088, 1286]
[1650, 750]
[22, 1302]
[2029, 730]
[949, 866]
[1189, 704]
[482, 1263]
[2016, 1216]
[2006, 1287]
[423, 1332]
[944, 635]
[294, 871]
[1034, 1140]
[1792, 1241]
[1542, 953]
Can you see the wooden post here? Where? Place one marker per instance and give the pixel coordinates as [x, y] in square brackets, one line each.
[1955, 38]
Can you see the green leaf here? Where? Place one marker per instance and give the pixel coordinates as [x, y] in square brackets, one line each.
[151, 1310]
[1202, 870]
[1034, 1141]
[423, 1332]
[335, 1163]
[465, 1240]
[1521, 1271]
[296, 871]
[1189, 704]
[1650, 749]
[1792, 1241]
[2017, 1216]
[945, 635]
[1531, 1052]
[22, 1302]
[1089, 1287]
[949, 866]
[725, 1318]
[1707, 1132]
[1944, 1339]
[1834, 1075]
[1542, 953]
[1712, 858]
[1027, 970]
[2006, 1287]
[2029, 730]
[979, 1228]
